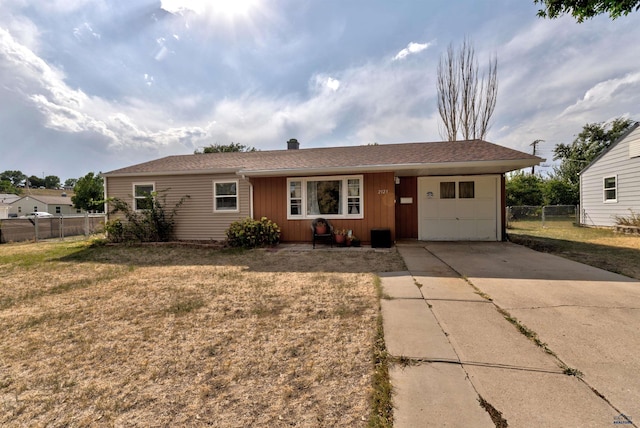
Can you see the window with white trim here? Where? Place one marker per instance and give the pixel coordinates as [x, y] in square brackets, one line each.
[225, 196]
[610, 187]
[328, 197]
[141, 193]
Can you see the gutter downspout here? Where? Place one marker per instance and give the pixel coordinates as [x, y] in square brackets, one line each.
[106, 205]
[250, 195]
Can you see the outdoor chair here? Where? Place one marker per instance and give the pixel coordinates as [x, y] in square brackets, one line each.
[327, 235]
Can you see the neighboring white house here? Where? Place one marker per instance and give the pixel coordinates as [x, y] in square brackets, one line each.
[56, 205]
[610, 185]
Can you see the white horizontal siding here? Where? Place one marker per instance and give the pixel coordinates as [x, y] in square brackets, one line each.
[196, 219]
[616, 162]
[634, 145]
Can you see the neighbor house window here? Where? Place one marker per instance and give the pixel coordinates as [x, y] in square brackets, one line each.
[331, 197]
[611, 189]
[225, 196]
[447, 190]
[467, 189]
[58, 210]
[141, 194]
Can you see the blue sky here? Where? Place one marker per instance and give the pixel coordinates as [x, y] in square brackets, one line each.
[92, 85]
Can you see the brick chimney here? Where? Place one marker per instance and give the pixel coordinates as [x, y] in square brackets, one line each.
[293, 144]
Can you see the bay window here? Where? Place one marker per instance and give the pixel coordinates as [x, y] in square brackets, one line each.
[330, 197]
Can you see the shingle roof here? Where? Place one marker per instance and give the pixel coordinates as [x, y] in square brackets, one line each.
[390, 156]
[51, 200]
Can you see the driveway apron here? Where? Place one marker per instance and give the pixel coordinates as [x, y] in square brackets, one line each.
[458, 361]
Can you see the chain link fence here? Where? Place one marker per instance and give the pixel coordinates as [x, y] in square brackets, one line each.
[34, 229]
[543, 216]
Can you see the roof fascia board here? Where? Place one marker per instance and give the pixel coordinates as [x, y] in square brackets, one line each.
[163, 173]
[514, 163]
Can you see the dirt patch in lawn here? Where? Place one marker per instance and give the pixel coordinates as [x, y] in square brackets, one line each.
[164, 336]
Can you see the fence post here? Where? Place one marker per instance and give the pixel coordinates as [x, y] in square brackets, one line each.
[543, 209]
[35, 224]
[86, 223]
[61, 226]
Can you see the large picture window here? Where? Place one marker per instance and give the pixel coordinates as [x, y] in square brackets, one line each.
[330, 197]
[225, 196]
[611, 189]
[141, 193]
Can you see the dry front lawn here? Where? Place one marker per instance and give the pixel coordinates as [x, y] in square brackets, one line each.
[180, 336]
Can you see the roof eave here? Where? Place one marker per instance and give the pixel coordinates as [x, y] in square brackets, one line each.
[174, 172]
[495, 166]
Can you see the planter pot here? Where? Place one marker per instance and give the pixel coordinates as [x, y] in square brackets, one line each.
[321, 230]
[340, 239]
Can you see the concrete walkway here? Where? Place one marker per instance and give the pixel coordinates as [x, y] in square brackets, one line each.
[460, 362]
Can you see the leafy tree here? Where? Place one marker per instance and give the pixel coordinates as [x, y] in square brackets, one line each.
[15, 177]
[70, 182]
[6, 186]
[89, 193]
[35, 181]
[466, 100]
[574, 157]
[558, 192]
[51, 182]
[225, 148]
[586, 9]
[524, 189]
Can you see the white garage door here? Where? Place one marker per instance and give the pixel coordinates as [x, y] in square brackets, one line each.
[463, 208]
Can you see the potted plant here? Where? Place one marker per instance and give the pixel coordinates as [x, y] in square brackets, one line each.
[355, 241]
[341, 236]
[321, 227]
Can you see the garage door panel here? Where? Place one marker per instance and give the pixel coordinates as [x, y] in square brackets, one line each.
[466, 208]
[447, 209]
[486, 209]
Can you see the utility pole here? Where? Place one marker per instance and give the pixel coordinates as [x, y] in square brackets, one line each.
[535, 149]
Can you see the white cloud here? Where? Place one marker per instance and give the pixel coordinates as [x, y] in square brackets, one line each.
[85, 31]
[333, 84]
[412, 48]
[604, 93]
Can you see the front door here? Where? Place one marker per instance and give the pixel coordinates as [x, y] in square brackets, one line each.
[407, 208]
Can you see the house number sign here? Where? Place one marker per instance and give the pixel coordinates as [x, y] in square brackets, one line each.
[383, 191]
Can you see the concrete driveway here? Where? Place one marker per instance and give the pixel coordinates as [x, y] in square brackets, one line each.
[463, 348]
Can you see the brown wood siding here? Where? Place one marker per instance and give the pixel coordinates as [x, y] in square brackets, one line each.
[503, 208]
[407, 214]
[196, 219]
[270, 200]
